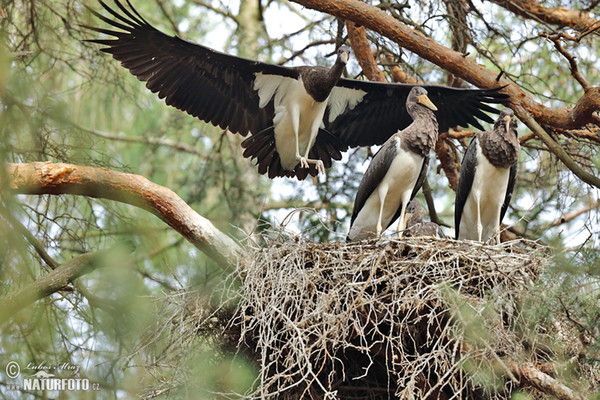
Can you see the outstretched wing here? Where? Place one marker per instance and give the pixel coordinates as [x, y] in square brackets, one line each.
[381, 110]
[465, 182]
[212, 86]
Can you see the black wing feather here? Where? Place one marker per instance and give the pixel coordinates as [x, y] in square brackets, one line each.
[465, 181]
[217, 88]
[382, 111]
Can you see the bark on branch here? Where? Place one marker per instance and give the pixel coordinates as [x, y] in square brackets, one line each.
[576, 19]
[456, 63]
[50, 178]
[362, 52]
[528, 374]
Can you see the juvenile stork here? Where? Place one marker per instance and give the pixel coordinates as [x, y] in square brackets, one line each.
[396, 172]
[487, 179]
[299, 118]
[416, 226]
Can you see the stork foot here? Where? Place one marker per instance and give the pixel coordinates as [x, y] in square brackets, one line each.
[305, 163]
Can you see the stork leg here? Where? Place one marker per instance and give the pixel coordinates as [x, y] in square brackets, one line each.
[479, 224]
[383, 189]
[402, 221]
[403, 217]
[497, 230]
[295, 117]
[314, 131]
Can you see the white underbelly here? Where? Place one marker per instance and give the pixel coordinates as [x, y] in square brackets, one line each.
[398, 185]
[489, 185]
[297, 105]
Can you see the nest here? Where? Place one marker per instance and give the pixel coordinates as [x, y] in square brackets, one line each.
[400, 319]
[416, 318]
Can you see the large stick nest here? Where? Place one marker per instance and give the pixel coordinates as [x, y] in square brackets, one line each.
[416, 318]
[399, 319]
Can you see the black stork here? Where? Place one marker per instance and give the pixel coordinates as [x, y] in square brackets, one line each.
[415, 224]
[396, 172]
[487, 179]
[299, 118]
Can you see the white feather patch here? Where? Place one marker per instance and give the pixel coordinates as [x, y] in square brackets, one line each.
[342, 99]
[272, 86]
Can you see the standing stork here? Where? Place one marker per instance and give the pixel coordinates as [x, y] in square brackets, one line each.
[396, 172]
[487, 179]
[300, 118]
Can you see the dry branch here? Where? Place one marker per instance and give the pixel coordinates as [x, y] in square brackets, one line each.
[50, 178]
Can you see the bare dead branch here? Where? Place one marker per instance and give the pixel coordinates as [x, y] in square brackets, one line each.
[573, 214]
[49, 178]
[398, 74]
[302, 50]
[572, 63]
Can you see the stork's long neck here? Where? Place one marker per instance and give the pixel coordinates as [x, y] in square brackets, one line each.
[336, 71]
[319, 81]
[421, 136]
[500, 147]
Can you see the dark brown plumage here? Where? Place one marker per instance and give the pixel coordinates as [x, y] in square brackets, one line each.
[487, 180]
[415, 224]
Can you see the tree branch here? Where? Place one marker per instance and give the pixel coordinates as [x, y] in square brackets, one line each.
[572, 63]
[456, 63]
[148, 140]
[573, 214]
[18, 226]
[577, 19]
[528, 374]
[50, 283]
[362, 52]
[556, 148]
[398, 74]
[50, 178]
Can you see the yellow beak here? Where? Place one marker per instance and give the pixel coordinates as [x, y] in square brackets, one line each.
[424, 100]
[507, 120]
